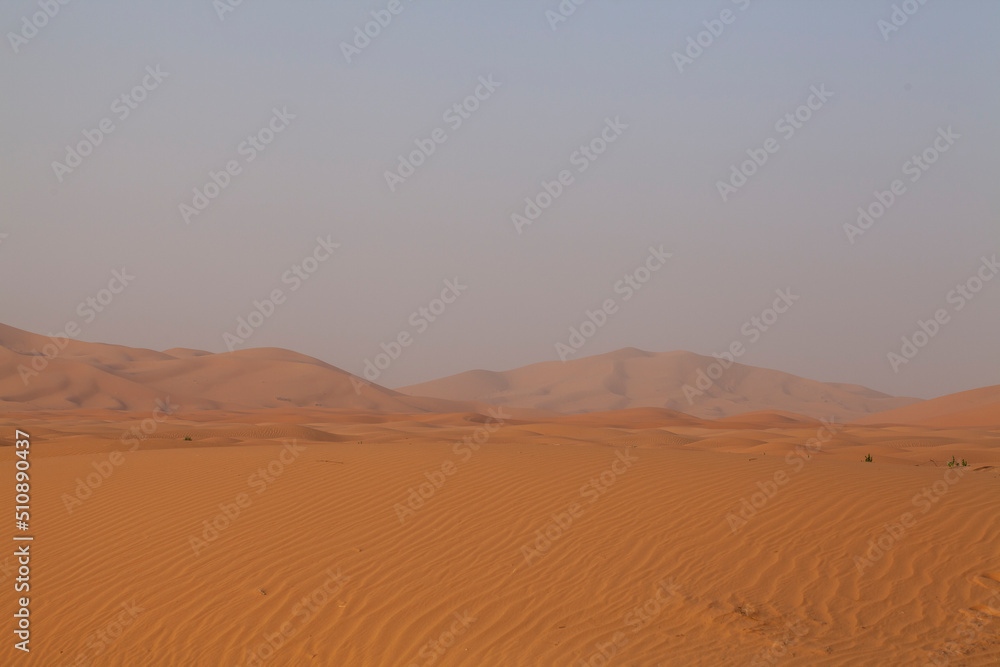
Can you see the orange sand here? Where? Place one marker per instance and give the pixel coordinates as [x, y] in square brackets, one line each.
[644, 561]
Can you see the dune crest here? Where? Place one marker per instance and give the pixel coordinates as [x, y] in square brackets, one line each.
[633, 378]
[39, 374]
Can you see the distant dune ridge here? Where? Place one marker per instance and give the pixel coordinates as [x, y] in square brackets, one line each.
[973, 408]
[96, 376]
[36, 373]
[631, 378]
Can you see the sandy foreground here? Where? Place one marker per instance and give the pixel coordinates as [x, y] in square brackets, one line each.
[624, 538]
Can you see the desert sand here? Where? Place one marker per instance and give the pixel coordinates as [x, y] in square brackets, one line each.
[225, 526]
[632, 378]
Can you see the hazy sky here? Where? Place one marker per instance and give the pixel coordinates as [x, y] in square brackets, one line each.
[212, 92]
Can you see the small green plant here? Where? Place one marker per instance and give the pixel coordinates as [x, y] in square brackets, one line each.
[868, 459]
[965, 463]
[187, 438]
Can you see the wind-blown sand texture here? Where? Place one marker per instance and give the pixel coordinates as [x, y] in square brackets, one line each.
[553, 540]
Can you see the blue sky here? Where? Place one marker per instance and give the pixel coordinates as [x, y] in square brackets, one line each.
[323, 175]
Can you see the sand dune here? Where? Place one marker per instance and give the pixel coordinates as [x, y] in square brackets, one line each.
[38, 374]
[550, 543]
[272, 514]
[976, 407]
[632, 378]
[35, 373]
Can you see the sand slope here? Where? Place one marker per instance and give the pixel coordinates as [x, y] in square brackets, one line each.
[632, 378]
[976, 407]
[35, 374]
[278, 516]
[648, 563]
